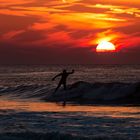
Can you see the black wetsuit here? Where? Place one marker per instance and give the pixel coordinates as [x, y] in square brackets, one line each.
[63, 79]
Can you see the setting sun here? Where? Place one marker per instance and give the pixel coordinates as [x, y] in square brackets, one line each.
[105, 46]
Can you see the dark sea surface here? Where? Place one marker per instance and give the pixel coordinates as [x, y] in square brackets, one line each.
[25, 116]
[42, 74]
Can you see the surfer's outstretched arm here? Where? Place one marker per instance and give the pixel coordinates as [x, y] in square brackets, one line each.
[71, 72]
[56, 76]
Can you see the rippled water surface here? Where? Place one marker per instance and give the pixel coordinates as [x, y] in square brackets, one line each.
[19, 116]
[31, 115]
[18, 75]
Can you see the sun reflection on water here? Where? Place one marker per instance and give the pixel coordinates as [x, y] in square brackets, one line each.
[94, 110]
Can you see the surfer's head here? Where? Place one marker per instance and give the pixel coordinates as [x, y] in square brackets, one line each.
[64, 71]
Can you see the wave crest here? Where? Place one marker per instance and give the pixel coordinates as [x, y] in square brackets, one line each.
[80, 91]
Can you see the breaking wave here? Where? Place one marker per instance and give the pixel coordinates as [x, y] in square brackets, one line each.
[78, 92]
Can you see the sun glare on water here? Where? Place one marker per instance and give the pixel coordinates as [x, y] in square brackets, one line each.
[105, 46]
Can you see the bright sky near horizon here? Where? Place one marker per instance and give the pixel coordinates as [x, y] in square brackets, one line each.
[68, 31]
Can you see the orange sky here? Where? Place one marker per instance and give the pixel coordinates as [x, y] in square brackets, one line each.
[46, 29]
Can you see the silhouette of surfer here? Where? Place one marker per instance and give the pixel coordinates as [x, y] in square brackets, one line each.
[63, 80]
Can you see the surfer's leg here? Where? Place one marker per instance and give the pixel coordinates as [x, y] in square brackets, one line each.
[58, 86]
[64, 85]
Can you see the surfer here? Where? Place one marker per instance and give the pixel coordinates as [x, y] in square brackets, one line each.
[63, 80]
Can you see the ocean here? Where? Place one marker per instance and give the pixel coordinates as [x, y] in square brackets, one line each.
[102, 103]
[42, 74]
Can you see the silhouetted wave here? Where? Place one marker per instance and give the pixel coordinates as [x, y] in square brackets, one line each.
[82, 92]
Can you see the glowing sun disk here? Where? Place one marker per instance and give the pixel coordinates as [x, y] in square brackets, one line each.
[105, 46]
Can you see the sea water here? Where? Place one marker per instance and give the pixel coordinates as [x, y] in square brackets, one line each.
[32, 118]
[42, 74]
